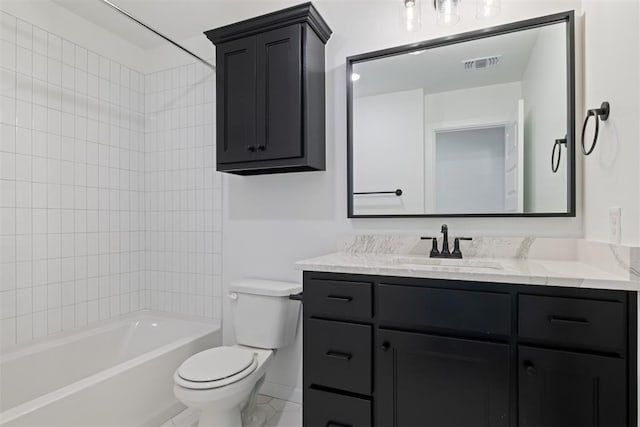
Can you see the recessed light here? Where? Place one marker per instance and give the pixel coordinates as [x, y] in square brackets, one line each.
[355, 77]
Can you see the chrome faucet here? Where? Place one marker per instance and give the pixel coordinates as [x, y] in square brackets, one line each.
[445, 253]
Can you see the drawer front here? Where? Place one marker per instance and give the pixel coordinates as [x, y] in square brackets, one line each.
[336, 298]
[572, 321]
[431, 308]
[322, 409]
[338, 355]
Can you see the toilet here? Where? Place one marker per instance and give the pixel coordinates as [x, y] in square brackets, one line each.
[223, 382]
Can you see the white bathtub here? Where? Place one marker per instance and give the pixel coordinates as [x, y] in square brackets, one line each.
[116, 373]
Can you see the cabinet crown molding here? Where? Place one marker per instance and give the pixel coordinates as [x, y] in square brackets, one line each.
[304, 13]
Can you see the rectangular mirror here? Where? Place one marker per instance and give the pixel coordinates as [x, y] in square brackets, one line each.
[476, 124]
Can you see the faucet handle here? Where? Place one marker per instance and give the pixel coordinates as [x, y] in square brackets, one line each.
[456, 246]
[434, 246]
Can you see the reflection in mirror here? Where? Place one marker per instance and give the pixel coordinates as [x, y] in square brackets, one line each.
[463, 129]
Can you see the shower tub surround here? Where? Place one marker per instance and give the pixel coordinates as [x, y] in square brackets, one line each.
[126, 364]
[109, 198]
[522, 260]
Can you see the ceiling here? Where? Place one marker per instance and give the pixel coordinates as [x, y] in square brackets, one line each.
[177, 19]
[442, 69]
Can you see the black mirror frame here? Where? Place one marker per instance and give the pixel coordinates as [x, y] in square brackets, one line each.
[564, 17]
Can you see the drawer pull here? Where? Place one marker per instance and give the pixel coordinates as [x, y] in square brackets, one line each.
[338, 355]
[335, 424]
[569, 320]
[339, 298]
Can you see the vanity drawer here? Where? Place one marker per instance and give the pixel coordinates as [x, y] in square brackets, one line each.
[572, 321]
[322, 409]
[337, 298]
[435, 308]
[340, 354]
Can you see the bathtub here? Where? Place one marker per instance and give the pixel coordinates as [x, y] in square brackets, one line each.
[115, 373]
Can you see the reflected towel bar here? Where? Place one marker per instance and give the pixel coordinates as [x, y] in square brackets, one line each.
[555, 164]
[397, 192]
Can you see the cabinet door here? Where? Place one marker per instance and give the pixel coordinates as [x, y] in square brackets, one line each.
[279, 115]
[236, 100]
[425, 380]
[565, 389]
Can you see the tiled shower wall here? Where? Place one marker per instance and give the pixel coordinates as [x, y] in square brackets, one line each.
[183, 193]
[73, 237]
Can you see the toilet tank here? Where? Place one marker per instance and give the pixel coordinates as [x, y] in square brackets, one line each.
[263, 314]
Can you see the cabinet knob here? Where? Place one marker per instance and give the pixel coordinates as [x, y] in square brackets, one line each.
[529, 367]
[386, 346]
[262, 147]
[251, 148]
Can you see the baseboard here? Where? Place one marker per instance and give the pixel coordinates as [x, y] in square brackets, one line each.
[280, 391]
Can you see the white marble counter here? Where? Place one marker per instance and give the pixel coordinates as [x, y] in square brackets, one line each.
[520, 271]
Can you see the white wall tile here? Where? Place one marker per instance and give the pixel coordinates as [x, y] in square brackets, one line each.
[8, 57]
[24, 328]
[79, 192]
[24, 34]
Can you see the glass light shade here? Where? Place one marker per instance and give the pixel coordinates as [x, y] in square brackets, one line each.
[487, 8]
[411, 14]
[447, 11]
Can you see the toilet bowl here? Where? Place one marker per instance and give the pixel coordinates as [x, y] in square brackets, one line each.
[223, 382]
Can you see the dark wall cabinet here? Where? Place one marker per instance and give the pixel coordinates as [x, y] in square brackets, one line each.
[270, 92]
[390, 351]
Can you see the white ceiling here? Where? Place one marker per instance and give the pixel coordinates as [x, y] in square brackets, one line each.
[442, 69]
[177, 19]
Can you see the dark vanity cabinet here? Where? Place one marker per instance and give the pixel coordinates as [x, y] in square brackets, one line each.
[270, 92]
[391, 351]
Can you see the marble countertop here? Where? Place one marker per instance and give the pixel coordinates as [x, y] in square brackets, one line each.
[527, 271]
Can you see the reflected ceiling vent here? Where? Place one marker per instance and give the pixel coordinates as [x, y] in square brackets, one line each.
[481, 63]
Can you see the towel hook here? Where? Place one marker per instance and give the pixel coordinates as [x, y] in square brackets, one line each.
[555, 164]
[601, 113]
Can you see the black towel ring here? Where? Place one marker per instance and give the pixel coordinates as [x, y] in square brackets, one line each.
[555, 164]
[601, 113]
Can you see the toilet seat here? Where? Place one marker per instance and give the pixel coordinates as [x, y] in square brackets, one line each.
[216, 367]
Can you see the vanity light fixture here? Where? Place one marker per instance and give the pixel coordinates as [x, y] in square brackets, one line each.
[487, 8]
[355, 77]
[412, 14]
[447, 11]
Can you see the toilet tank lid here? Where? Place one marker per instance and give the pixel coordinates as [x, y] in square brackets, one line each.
[265, 287]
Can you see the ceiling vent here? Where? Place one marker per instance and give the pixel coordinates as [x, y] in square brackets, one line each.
[481, 63]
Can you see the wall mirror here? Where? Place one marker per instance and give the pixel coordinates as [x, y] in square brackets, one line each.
[475, 124]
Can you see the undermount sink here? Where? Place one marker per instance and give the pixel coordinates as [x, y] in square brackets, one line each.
[449, 263]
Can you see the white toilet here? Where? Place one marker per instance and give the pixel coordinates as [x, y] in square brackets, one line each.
[223, 382]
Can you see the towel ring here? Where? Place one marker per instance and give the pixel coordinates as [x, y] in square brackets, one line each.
[601, 113]
[555, 164]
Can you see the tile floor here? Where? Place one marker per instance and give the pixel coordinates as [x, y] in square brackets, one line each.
[280, 413]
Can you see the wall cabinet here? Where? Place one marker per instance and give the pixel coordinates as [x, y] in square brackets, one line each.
[389, 351]
[270, 92]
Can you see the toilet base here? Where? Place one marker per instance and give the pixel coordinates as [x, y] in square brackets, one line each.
[257, 419]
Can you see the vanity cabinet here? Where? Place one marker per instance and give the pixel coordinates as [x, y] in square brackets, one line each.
[429, 380]
[270, 92]
[562, 388]
[391, 351]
